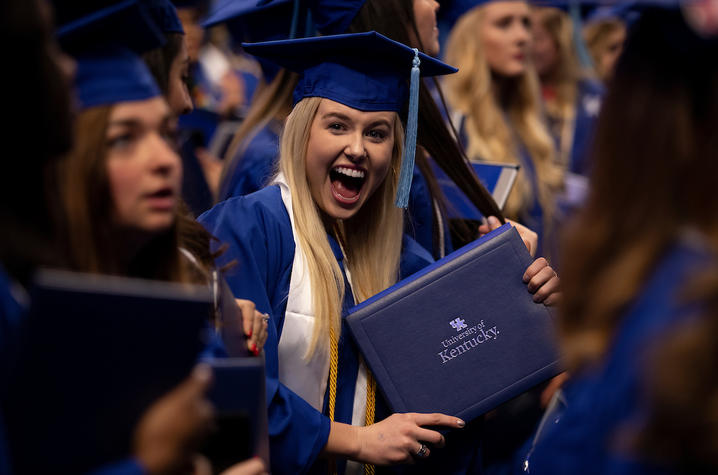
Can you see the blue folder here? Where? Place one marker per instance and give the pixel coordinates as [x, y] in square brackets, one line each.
[498, 178]
[461, 336]
[95, 352]
[238, 396]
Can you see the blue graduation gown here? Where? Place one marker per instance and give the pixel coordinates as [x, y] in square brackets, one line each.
[603, 399]
[588, 105]
[255, 164]
[421, 217]
[258, 230]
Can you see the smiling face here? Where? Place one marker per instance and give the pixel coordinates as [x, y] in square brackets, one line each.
[505, 33]
[349, 154]
[144, 172]
[425, 18]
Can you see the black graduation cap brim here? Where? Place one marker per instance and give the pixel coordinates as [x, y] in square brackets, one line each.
[300, 54]
[126, 23]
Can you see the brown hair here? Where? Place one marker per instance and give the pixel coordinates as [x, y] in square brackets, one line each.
[596, 34]
[395, 19]
[654, 174]
[88, 235]
[159, 60]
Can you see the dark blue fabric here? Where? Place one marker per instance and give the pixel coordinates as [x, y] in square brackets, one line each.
[604, 399]
[255, 164]
[259, 234]
[112, 75]
[590, 95]
[164, 15]
[365, 71]
[421, 217]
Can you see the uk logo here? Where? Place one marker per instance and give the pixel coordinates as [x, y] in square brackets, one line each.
[458, 324]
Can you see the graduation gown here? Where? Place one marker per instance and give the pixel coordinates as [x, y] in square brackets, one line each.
[603, 399]
[588, 106]
[254, 164]
[271, 272]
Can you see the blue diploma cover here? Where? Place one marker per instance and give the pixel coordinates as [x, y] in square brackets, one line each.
[461, 336]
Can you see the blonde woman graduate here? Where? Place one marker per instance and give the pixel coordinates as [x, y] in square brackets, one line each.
[496, 105]
[325, 235]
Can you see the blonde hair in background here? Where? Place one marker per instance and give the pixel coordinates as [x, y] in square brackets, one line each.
[566, 76]
[597, 34]
[371, 239]
[471, 92]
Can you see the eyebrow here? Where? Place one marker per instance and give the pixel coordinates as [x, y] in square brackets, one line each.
[135, 123]
[336, 115]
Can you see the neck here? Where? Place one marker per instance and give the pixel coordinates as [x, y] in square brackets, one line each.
[127, 246]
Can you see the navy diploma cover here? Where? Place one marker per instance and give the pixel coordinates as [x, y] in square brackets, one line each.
[461, 336]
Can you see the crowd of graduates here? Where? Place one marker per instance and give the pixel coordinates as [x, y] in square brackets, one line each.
[287, 155]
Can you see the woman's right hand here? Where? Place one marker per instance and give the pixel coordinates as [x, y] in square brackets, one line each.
[400, 438]
[168, 431]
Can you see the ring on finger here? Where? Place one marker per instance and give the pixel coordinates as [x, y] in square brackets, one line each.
[265, 317]
[422, 451]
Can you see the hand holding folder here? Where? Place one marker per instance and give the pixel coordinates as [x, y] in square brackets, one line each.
[463, 335]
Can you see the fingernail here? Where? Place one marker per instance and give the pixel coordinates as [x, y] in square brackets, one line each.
[249, 334]
[460, 423]
[254, 349]
[525, 278]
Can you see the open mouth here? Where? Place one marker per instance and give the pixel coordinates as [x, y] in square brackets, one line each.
[347, 183]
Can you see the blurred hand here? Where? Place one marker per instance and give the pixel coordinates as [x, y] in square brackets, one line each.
[554, 385]
[254, 466]
[169, 430]
[543, 282]
[255, 325]
[529, 237]
[399, 437]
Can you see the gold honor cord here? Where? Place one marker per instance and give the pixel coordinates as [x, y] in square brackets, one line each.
[370, 394]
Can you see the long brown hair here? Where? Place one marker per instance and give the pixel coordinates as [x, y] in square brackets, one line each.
[655, 174]
[89, 237]
[395, 19]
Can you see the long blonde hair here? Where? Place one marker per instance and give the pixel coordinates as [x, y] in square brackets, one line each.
[471, 92]
[565, 76]
[371, 239]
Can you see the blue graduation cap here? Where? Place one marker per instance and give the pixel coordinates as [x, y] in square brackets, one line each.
[249, 22]
[364, 71]
[109, 69]
[164, 14]
[330, 17]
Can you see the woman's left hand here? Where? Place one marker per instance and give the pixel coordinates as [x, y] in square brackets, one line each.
[255, 325]
[529, 237]
[543, 282]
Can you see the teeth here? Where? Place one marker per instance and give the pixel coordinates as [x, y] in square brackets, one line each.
[350, 172]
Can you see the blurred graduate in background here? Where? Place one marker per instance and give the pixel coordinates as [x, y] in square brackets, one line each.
[638, 320]
[496, 105]
[572, 99]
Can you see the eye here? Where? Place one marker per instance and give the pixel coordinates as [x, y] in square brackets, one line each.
[377, 134]
[336, 126]
[526, 22]
[504, 22]
[120, 141]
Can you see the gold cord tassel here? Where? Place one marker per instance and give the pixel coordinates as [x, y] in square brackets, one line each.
[369, 469]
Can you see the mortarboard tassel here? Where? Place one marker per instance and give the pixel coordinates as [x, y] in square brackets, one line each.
[407, 163]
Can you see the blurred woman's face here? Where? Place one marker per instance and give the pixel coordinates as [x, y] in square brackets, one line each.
[425, 19]
[178, 95]
[506, 36]
[144, 172]
[544, 50]
[611, 50]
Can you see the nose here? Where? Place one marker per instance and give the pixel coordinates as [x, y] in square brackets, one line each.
[355, 149]
[165, 160]
[436, 6]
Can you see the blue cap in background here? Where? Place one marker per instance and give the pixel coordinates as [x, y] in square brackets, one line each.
[164, 14]
[106, 43]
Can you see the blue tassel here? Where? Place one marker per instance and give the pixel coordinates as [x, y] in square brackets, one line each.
[584, 56]
[407, 162]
